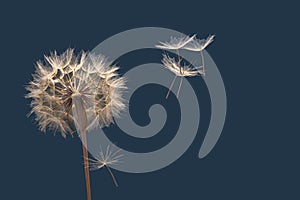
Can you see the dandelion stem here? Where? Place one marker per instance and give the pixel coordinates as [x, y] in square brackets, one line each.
[179, 87]
[80, 119]
[179, 61]
[202, 57]
[86, 164]
[112, 175]
[171, 86]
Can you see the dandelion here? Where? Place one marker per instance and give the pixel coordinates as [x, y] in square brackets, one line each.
[187, 43]
[81, 92]
[106, 159]
[179, 71]
[199, 45]
[175, 43]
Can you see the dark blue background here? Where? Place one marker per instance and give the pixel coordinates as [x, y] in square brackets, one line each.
[256, 46]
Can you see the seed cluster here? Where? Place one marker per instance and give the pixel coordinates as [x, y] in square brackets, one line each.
[60, 77]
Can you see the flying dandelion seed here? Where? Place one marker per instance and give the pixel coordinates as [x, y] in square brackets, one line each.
[175, 43]
[199, 45]
[106, 159]
[187, 43]
[179, 71]
[72, 93]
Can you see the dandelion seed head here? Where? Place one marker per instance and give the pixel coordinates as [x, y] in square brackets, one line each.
[60, 78]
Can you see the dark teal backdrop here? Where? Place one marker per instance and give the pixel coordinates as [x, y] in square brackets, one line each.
[257, 156]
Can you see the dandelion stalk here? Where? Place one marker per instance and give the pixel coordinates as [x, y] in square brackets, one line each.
[171, 86]
[86, 170]
[179, 87]
[203, 64]
[179, 59]
[80, 118]
[112, 176]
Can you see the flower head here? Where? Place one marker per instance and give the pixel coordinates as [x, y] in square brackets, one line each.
[64, 79]
[175, 43]
[198, 44]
